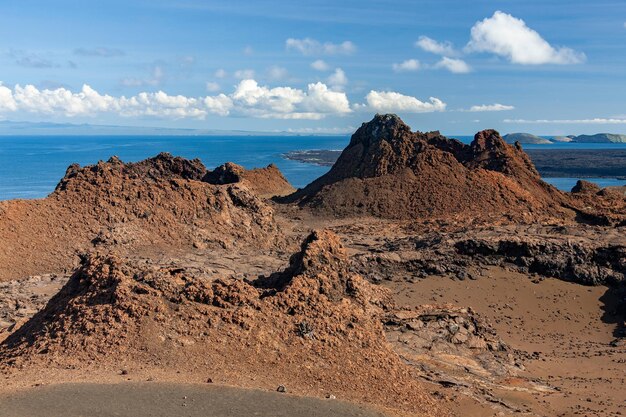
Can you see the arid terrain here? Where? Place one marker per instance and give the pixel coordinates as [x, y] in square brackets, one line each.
[419, 276]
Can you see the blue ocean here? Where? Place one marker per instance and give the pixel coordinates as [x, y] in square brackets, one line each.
[31, 166]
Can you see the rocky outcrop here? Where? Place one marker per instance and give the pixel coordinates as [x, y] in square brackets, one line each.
[576, 253]
[596, 206]
[315, 327]
[586, 187]
[569, 261]
[266, 182]
[164, 166]
[391, 172]
[452, 346]
[157, 202]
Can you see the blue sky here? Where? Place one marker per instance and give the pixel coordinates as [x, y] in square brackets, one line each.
[549, 67]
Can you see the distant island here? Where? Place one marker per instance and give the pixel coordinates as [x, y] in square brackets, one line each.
[600, 138]
[529, 138]
[525, 138]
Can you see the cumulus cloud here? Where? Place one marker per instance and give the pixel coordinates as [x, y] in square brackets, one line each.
[288, 103]
[338, 79]
[221, 73]
[320, 65]
[509, 37]
[322, 100]
[248, 99]
[389, 102]
[454, 65]
[432, 46]
[407, 66]
[593, 121]
[7, 102]
[160, 104]
[490, 107]
[99, 52]
[220, 104]
[88, 101]
[308, 46]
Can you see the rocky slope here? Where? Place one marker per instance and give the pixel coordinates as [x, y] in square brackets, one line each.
[316, 327]
[162, 201]
[389, 171]
[266, 182]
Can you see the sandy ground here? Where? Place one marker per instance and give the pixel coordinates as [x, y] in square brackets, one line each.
[166, 400]
[568, 328]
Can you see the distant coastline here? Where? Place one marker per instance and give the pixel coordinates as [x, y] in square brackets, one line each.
[529, 138]
[551, 163]
[12, 128]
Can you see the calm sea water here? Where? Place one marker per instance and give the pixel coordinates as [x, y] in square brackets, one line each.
[31, 166]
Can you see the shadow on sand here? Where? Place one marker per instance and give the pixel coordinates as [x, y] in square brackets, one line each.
[614, 307]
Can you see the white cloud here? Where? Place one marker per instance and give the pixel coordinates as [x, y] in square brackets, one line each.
[288, 103]
[490, 107]
[248, 99]
[244, 74]
[158, 104]
[389, 101]
[220, 104]
[594, 121]
[308, 46]
[338, 79]
[29, 98]
[277, 73]
[321, 99]
[406, 66]
[432, 46]
[212, 87]
[7, 102]
[250, 95]
[320, 65]
[220, 73]
[454, 65]
[507, 36]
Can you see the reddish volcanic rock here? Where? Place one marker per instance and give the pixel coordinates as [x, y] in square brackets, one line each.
[317, 329]
[391, 172]
[266, 182]
[160, 201]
